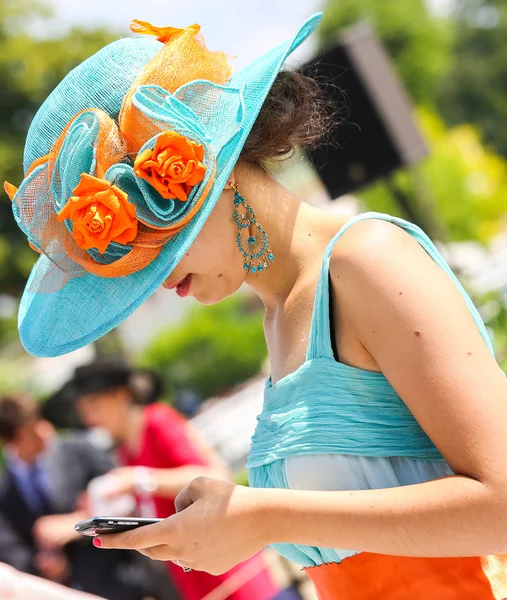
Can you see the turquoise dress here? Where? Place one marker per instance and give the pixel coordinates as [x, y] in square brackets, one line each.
[330, 426]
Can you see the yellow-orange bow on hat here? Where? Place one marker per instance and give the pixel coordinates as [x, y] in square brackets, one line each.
[163, 34]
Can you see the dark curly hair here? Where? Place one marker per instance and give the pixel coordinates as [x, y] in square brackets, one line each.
[296, 112]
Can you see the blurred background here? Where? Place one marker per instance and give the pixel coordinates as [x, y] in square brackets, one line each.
[421, 87]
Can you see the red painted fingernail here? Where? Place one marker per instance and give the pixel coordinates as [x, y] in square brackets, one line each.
[97, 543]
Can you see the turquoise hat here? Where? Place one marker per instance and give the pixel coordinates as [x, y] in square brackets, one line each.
[66, 304]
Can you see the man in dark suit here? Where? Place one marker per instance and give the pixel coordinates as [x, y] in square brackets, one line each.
[43, 478]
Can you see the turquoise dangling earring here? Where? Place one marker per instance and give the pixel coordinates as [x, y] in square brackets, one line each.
[252, 240]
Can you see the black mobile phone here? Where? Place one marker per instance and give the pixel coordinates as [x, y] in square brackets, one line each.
[104, 525]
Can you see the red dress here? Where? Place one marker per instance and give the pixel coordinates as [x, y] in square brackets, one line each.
[165, 445]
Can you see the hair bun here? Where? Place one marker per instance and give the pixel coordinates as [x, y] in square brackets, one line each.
[295, 112]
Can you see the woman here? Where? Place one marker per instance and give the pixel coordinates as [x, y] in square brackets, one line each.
[161, 454]
[383, 423]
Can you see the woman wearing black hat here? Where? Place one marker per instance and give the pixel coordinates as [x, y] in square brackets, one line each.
[161, 454]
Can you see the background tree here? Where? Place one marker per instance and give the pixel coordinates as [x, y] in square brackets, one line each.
[211, 351]
[418, 42]
[475, 91]
[464, 180]
[455, 71]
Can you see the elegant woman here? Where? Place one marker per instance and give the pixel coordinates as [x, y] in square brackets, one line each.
[378, 463]
[161, 453]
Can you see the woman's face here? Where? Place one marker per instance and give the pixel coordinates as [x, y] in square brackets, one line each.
[108, 410]
[212, 269]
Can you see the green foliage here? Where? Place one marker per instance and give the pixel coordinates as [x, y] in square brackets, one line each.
[418, 42]
[475, 90]
[15, 13]
[8, 331]
[465, 181]
[494, 311]
[241, 478]
[15, 376]
[214, 349]
[29, 70]
[456, 64]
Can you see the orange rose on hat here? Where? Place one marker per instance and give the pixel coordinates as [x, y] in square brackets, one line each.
[100, 213]
[173, 167]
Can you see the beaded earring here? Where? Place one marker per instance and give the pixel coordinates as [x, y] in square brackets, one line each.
[252, 240]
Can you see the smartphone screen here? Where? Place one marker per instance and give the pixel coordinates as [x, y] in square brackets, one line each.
[104, 525]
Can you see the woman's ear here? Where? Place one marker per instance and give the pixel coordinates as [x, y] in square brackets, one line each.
[231, 179]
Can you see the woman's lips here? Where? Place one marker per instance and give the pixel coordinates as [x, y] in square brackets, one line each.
[171, 286]
[183, 287]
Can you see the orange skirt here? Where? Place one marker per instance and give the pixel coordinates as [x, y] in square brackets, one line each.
[368, 576]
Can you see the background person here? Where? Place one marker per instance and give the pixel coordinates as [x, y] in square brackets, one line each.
[42, 479]
[161, 454]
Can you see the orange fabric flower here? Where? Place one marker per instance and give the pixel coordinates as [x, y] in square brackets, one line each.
[173, 167]
[100, 214]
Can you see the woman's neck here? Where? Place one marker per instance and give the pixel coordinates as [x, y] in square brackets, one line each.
[132, 433]
[298, 235]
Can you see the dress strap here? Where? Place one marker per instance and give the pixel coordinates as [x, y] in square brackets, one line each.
[319, 343]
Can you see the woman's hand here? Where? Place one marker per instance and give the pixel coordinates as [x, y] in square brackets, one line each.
[218, 525]
[53, 532]
[124, 482]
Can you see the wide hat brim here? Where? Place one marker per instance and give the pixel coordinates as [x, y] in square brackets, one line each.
[86, 308]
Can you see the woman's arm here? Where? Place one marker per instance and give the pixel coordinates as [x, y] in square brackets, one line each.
[19, 586]
[413, 321]
[170, 482]
[415, 325]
